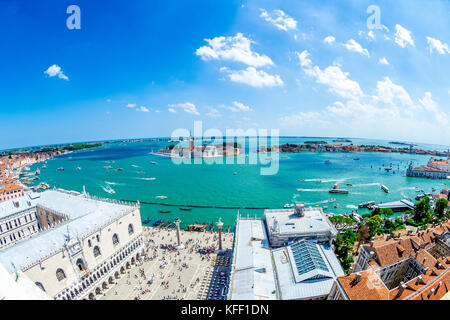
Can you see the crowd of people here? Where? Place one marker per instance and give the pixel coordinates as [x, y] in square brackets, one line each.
[160, 250]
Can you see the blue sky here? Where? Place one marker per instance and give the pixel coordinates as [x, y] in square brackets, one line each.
[146, 68]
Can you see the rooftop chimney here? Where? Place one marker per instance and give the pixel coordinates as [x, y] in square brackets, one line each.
[401, 288]
[300, 209]
[357, 278]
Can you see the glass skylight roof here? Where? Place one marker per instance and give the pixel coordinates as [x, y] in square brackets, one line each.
[307, 257]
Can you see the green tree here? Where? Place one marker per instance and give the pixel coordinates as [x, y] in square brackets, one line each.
[441, 206]
[374, 224]
[343, 247]
[421, 209]
[387, 212]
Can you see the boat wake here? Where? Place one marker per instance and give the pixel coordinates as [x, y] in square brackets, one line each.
[351, 206]
[108, 189]
[313, 190]
[367, 184]
[407, 188]
[147, 179]
[320, 202]
[327, 180]
[113, 183]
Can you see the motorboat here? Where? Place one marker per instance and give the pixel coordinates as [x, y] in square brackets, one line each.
[339, 191]
[60, 169]
[146, 221]
[384, 188]
[366, 204]
[185, 209]
[289, 205]
[161, 197]
[119, 169]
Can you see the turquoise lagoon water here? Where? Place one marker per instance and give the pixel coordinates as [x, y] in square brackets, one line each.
[217, 185]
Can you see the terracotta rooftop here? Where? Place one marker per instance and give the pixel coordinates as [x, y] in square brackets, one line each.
[368, 287]
[427, 168]
[432, 285]
[391, 251]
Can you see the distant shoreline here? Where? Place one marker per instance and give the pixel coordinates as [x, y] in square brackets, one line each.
[127, 140]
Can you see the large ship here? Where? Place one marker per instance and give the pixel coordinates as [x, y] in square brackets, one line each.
[368, 204]
[341, 191]
[337, 190]
[341, 140]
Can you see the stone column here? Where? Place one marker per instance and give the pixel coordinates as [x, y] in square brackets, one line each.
[177, 225]
[220, 225]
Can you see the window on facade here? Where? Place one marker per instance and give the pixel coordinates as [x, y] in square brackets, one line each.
[89, 243]
[130, 229]
[96, 251]
[60, 275]
[80, 264]
[115, 239]
[40, 286]
[98, 238]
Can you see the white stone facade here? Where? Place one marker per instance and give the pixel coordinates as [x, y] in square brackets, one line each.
[83, 244]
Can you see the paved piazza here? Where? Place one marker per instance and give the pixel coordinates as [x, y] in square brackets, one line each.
[167, 273]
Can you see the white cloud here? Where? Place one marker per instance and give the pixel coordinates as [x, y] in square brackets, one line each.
[142, 109]
[187, 107]
[371, 35]
[303, 57]
[55, 70]
[108, 100]
[383, 61]
[352, 45]
[311, 118]
[131, 105]
[403, 37]
[333, 77]
[279, 19]
[237, 107]
[253, 77]
[392, 93]
[441, 48]
[213, 113]
[329, 39]
[389, 113]
[431, 106]
[241, 106]
[157, 111]
[237, 48]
